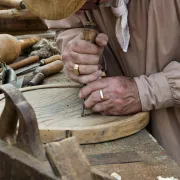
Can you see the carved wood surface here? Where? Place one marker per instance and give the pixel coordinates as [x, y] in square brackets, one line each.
[58, 111]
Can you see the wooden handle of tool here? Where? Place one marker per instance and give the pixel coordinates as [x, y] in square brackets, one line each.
[12, 4]
[16, 14]
[90, 32]
[25, 43]
[51, 59]
[24, 62]
[51, 68]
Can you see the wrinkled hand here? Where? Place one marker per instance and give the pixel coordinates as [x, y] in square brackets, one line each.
[87, 56]
[121, 96]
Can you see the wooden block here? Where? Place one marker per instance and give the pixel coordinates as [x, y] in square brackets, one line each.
[17, 14]
[68, 160]
[21, 25]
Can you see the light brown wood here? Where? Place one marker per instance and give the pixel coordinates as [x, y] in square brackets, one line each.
[25, 43]
[11, 3]
[68, 160]
[16, 14]
[10, 47]
[58, 111]
[19, 27]
[53, 9]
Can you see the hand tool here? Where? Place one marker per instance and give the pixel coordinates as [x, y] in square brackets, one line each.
[11, 47]
[45, 71]
[35, 65]
[13, 4]
[9, 76]
[89, 34]
[24, 62]
[22, 153]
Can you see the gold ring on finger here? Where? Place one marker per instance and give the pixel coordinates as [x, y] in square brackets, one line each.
[76, 70]
[101, 94]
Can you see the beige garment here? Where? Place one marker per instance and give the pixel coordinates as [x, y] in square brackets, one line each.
[152, 59]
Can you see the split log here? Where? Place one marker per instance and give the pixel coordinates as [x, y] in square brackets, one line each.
[21, 25]
[47, 35]
[69, 162]
[16, 14]
[12, 4]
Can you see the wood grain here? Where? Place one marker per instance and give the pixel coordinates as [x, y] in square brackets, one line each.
[53, 9]
[58, 111]
[16, 14]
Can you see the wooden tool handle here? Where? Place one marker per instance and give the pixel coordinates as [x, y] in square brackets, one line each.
[37, 79]
[51, 68]
[24, 62]
[16, 14]
[90, 32]
[25, 43]
[51, 59]
[12, 4]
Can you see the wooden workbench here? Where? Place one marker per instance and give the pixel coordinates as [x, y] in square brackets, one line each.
[138, 157]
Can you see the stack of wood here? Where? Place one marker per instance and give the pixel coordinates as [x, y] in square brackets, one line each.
[15, 17]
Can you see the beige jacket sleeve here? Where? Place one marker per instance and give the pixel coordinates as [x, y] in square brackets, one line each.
[67, 28]
[160, 90]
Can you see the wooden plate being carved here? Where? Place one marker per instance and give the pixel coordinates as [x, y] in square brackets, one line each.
[58, 111]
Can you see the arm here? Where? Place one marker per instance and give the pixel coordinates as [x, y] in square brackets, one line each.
[160, 90]
[124, 96]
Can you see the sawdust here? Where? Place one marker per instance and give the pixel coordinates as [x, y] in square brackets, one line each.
[44, 48]
[171, 178]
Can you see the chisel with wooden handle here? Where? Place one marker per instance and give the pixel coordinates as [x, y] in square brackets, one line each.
[35, 65]
[45, 71]
[89, 34]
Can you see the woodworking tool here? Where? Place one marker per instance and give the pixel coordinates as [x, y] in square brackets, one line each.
[9, 76]
[22, 153]
[89, 35]
[41, 73]
[38, 64]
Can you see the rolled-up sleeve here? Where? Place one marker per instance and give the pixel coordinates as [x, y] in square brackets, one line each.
[160, 90]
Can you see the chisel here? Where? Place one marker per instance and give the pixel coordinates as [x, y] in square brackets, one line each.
[89, 35]
[38, 64]
[41, 73]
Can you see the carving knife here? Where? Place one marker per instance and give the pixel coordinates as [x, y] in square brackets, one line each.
[38, 64]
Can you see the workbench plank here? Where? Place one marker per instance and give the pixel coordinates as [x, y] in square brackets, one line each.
[154, 160]
[58, 111]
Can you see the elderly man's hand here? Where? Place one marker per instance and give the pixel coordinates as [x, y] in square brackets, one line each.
[121, 96]
[87, 56]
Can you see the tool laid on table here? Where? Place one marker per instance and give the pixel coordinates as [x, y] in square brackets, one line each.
[23, 63]
[13, 4]
[8, 75]
[11, 47]
[41, 73]
[37, 64]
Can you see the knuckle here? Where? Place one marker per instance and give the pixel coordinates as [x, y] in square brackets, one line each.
[94, 97]
[82, 80]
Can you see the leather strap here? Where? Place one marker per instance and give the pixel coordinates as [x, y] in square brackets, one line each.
[92, 4]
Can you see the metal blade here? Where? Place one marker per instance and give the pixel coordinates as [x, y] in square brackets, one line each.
[18, 83]
[26, 69]
[115, 158]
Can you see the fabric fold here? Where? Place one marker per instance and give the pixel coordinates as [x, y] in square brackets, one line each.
[122, 29]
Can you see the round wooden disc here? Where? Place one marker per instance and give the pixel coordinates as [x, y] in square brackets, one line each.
[53, 9]
[58, 111]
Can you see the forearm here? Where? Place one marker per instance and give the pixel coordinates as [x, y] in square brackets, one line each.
[160, 90]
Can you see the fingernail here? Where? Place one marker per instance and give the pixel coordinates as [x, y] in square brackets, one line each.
[80, 95]
[100, 73]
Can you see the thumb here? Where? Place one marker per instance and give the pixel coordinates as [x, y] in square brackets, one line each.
[101, 40]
